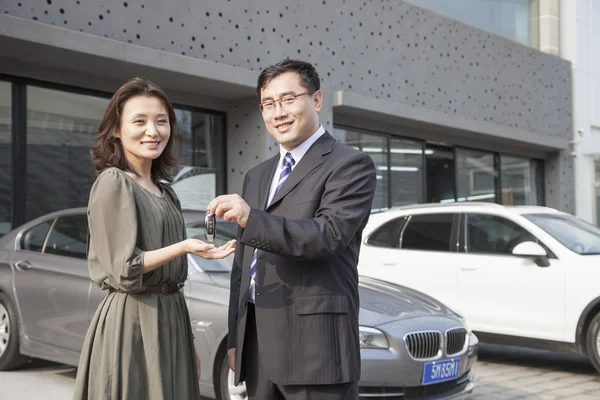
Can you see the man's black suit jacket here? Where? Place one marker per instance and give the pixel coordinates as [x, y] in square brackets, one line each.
[308, 240]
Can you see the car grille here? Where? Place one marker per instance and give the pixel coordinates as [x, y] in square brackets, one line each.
[423, 345]
[455, 341]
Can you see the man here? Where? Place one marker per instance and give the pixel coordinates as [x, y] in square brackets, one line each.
[293, 312]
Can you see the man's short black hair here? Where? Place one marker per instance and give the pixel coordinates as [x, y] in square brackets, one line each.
[309, 78]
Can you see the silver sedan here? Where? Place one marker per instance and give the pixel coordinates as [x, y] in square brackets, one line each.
[412, 345]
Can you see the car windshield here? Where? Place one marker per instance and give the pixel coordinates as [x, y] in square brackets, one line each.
[574, 233]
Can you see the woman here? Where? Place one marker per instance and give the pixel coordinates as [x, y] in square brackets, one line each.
[140, 343]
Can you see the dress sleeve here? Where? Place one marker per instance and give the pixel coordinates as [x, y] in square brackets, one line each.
[114, 258]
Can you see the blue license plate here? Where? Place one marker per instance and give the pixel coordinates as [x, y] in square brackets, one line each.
[440, 371]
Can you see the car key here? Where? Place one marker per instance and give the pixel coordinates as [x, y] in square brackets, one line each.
[210, 224]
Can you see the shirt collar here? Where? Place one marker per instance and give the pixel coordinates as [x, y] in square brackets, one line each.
[301, 150]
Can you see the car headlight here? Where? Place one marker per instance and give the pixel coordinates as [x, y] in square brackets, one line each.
[371, 338]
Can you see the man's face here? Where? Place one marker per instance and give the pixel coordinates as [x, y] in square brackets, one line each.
[292, 123]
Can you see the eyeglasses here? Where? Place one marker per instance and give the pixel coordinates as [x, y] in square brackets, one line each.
[268, 106]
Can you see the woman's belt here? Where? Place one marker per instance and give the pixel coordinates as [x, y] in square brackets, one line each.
[167, 288]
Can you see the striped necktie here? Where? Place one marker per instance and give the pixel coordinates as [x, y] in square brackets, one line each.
[288, 162]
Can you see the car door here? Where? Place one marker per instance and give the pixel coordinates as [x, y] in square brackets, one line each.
[421, 253]
[52, 282]
[506, 294]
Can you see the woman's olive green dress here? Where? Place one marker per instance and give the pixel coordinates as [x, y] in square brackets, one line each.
[138, 346]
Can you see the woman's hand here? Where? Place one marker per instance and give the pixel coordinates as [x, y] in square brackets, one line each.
[209, 251]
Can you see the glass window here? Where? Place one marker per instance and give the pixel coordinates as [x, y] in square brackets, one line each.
[492, 234]
[34, 238]
[60, 128]
[377, 148]
[68, 237]
[521, 180]
[199, 147]
[476, 176]
[5, 157]
[432, 232]
[441, 177]
[387, 235]
[574, 233]
[406, 172]
[510, 19]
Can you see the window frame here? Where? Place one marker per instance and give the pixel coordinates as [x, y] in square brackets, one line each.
[396, 233]
[465, 236]
[19, 237]
[20, 138]
[453, 243]
[48, 235]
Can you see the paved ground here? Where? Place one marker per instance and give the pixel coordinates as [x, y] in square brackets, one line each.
[508, 373]
[503, 373]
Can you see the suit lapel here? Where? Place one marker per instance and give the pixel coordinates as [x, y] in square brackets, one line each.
[311, 160]
[264, 183]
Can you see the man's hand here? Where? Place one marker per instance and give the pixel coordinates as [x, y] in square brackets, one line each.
[231, 208]
[231, 358]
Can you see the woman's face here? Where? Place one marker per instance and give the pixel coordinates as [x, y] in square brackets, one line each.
[145, 128]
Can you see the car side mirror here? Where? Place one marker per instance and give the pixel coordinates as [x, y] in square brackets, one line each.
[534, 251]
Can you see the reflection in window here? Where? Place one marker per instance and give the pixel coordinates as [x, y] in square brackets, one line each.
[5, 158]
[521, 181]
[68, 237]
[376, 147]
[476, 176]
[387, 235]
[60, 128]
[34, 238]
[508, 18]
[199, 147]
[574, 233]
[495, 235]
[398, 162]
[406, 172]
[431, 232]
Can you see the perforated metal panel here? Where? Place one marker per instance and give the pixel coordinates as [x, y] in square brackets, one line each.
[384, 49]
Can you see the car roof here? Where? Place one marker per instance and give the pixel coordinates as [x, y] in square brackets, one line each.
[457, 207]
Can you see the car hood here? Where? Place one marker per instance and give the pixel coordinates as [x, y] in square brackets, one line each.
[380, 301]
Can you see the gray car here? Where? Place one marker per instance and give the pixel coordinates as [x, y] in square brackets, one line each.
[413, 346]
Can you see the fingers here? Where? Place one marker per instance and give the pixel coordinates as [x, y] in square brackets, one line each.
[231, 215]
[223, 208]
[228, 245]
[200, 246]
[226, 198]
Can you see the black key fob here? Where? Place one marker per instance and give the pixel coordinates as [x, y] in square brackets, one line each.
[210, 224]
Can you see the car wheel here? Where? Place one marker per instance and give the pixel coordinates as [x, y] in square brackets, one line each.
[10, 357]
[593, 341]
[226, 390]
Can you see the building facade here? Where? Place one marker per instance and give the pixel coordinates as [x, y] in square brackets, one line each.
[580, 44]
[448, 111]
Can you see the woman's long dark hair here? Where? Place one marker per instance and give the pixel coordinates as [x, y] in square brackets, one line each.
[107, 150]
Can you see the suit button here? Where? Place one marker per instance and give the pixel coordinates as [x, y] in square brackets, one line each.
[268, 247]
[244, 302]
[253, 242]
